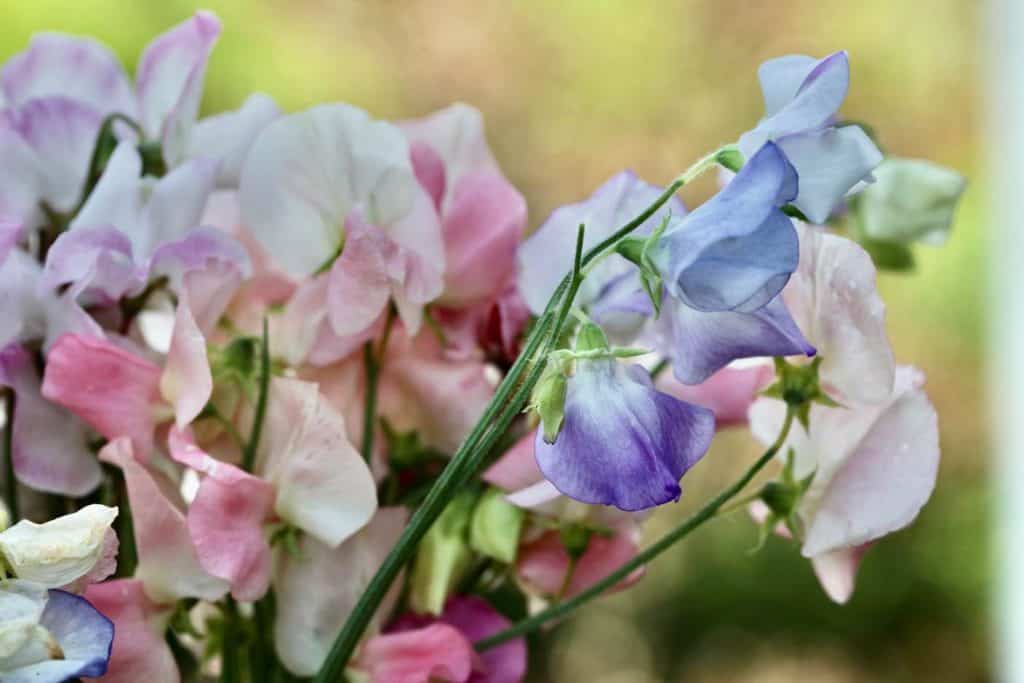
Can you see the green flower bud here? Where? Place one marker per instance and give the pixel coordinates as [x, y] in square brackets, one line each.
[442, 557]
[5, 515]
[575, 539]
[549, 399]
[911, 200]
[495, 528]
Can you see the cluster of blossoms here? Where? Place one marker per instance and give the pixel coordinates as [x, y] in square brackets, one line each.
[272, 367]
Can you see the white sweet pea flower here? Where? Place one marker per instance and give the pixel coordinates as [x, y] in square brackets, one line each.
[60, 551]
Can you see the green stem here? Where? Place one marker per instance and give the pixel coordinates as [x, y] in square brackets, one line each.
[502, 409]
[10, 481]
[249, 453]
[706, 513]
[230, 665]
[372, 363]
[127, 554]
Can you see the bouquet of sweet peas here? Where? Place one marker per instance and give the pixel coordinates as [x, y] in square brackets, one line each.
[295, 396]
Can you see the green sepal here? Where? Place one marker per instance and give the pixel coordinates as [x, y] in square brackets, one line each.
[731, 158]
[591, 338]
[794, 212]
[575, 539]
[496, 527]
[288, 537]
[799, 387]
[632, 249]
[548, 399]
[442, 557]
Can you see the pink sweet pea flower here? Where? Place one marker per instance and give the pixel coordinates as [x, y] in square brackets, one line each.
[330, 180]
[874, 468]
[139, 652]
[169, 565]
[482, 215]
[226, 519]
[416, 649]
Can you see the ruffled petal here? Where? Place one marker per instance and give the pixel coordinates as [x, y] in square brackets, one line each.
[811, 106]
[49, 445]
[226, 520]
[60, 551]
[700, 343]
[781, 78]
[169, 566]
[436, 652]
[114, 391]
[622, 442]
[228, 137]
[186, 382]
[324, 486]
[96, 262]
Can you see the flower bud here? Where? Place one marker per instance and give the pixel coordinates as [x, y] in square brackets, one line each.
[549, 400]
[442, 556]
[5, 515]
[495, 528]
[911, 200]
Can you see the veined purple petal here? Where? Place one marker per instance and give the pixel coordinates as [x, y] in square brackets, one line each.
[69, 66]
[622, 307]
[737, 250]
[701, 343]
[85, 638]
[50, 450]
[546, 256]
[623, 443]
[94, 260]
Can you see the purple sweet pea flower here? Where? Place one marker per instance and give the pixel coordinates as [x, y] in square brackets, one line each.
[802, 97]
[56, 636]
[622, 442]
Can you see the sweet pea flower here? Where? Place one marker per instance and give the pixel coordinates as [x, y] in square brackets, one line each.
[140, 651]
[417, 649]
[723, 266]
[911, 200]
[546, 255]
[622, 443]
[874, 467]
[331, 181]
[317, 588]
[833, 299]
[728, 393]
[482, 215]
[49, 445]
[50, 636]
[802, 96]
[61, 551]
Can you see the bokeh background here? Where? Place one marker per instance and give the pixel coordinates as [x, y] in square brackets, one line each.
[573, 91]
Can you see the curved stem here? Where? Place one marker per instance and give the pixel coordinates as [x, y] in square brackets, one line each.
[709, 511]
[252, 446]
[10, 480]
[502, 409]
[372, 362]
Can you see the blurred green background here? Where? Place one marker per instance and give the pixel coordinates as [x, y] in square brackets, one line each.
[574, 91]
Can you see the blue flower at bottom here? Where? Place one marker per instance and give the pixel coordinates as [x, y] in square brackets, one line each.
[82, 633]
[622, 442]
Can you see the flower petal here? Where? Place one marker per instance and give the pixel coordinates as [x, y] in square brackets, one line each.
[50, 450]
[168, 563]
[543, 563]
[96, 261]
[436, 652]
[69, 66]
[317, 589]
[226, 520]
[728, 393]
[837, 572]
[111, 389]
[186, 382]
[622, 442]
[324, 486]
[228, 137]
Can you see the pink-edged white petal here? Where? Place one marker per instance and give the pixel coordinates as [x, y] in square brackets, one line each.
[114, 391]
[96, 262]
[60, 551]
[324, 486]
[437, 652]
[317, 589]
[308, 171]
[49, 445]
[140, 651]
[455, 135]
[833, 299]
[169, 80]
[169, 566]
[117, 199]
[885, 477]
[228, 137]
[186, 382]
[358, 286]
[69, 66]
[226, 520]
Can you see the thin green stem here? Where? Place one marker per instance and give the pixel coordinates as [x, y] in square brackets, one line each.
[230, 664]
[249, 454]
[372, 362]
[502, 409]
[706, 513]
[127, 554]
[10, 481]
